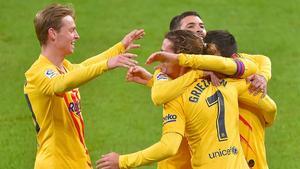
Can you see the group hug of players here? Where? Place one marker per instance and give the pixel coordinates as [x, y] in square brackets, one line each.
[215, 107]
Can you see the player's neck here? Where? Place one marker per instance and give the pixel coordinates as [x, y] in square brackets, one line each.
[53, 55]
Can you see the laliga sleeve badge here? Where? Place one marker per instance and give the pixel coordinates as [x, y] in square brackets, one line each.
[50, 73]
[161, 76]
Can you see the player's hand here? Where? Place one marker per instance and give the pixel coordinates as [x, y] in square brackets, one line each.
[258, 84]
[108, 161]
[138, 74]
[131, 37]
[212, 77]
[123, 60]
[162, 57]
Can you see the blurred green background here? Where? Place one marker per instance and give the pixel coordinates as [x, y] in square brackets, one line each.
[120, 116]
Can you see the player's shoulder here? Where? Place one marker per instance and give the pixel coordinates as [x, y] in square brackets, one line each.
[41, 68]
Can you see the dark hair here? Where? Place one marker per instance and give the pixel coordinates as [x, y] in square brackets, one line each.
[50, 17]
[175, 21]
[185, 41]
[223, 40]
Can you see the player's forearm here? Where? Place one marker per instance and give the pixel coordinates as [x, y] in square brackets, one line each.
[264, 67]
[77, 77]
[218, 64]
[263, 64]
[265, 106]
[268, 110]
[166, 147]
[111, 52]
[164, 91]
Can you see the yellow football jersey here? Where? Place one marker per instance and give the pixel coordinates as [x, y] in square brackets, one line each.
[169, 90]
[161, 93]
[252, 124]
[181, 160]
[252, 133]
[250, 127]
[54, 100]
[207, 136]
[208, 116]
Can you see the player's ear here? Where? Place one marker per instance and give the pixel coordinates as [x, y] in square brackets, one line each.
[52, 34]
[211, 49]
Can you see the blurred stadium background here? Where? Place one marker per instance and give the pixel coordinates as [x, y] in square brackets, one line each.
[120, 116]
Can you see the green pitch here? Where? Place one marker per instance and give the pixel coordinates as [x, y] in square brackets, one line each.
[119, 116]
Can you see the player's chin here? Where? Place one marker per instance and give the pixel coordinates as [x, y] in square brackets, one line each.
[71, 50]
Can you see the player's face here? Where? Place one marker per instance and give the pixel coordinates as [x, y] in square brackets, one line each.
[194, 24]
[66, 36]
[173, 70]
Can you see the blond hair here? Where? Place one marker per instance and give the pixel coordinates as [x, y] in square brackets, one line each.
[51, 17]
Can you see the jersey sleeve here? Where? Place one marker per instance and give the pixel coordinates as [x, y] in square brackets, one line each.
[104, 56]
[173, 131]
[263, 63]
[50, 82]
[241, 67]
[150, 82]
[264, 106]
[165, 89]
[173, 117]
[166, 147]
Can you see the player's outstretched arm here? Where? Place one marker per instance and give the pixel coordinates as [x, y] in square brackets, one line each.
[241, 67]
[166, 147]
[79, 76]
[124, 60]
[130, 38]
[126, 44]
[52, 82]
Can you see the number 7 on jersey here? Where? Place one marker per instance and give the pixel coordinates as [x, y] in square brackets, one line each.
[218, 98]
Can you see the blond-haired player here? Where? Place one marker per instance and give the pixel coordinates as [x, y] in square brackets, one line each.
[52, 83]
